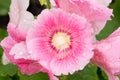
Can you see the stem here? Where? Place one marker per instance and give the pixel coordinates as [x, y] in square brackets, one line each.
[100, 76]
[63, 77]
[48, 5]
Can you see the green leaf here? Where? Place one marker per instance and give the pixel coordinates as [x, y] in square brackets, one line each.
[110, 26]
[116, 10]
[38, 76]
[113, 24]
[1, 52]
[8, 69]
[3, 33]
[104, 75]
[5, 78]
[119, 76]
[101, 75]
[4, 7]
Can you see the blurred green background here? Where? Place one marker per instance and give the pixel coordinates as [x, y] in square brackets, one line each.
[91, 71]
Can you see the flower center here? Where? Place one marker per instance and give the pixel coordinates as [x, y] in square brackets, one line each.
[61, 40]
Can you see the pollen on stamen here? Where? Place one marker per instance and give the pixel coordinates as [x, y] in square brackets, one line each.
[61, 40]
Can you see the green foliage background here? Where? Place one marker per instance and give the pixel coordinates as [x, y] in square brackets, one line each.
[90, 72]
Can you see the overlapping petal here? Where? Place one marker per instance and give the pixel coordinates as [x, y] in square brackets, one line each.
[20, 18]
[96, 13]
[107, 55]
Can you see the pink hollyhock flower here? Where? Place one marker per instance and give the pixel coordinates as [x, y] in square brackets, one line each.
[20, 19]
[8, 44]
[61, 42]
[17, 53]
[20, 22]
[14, 44]
[107, 55]
[96, 13]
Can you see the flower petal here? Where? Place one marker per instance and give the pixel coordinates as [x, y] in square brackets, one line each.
[35, 46]
[7, 43]
[19, 51]
[104, 2]
[95, 13]
[20, 18]
[30, 67]
[107, 55]
[16, 34]
[52, 77]
[15, 9]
